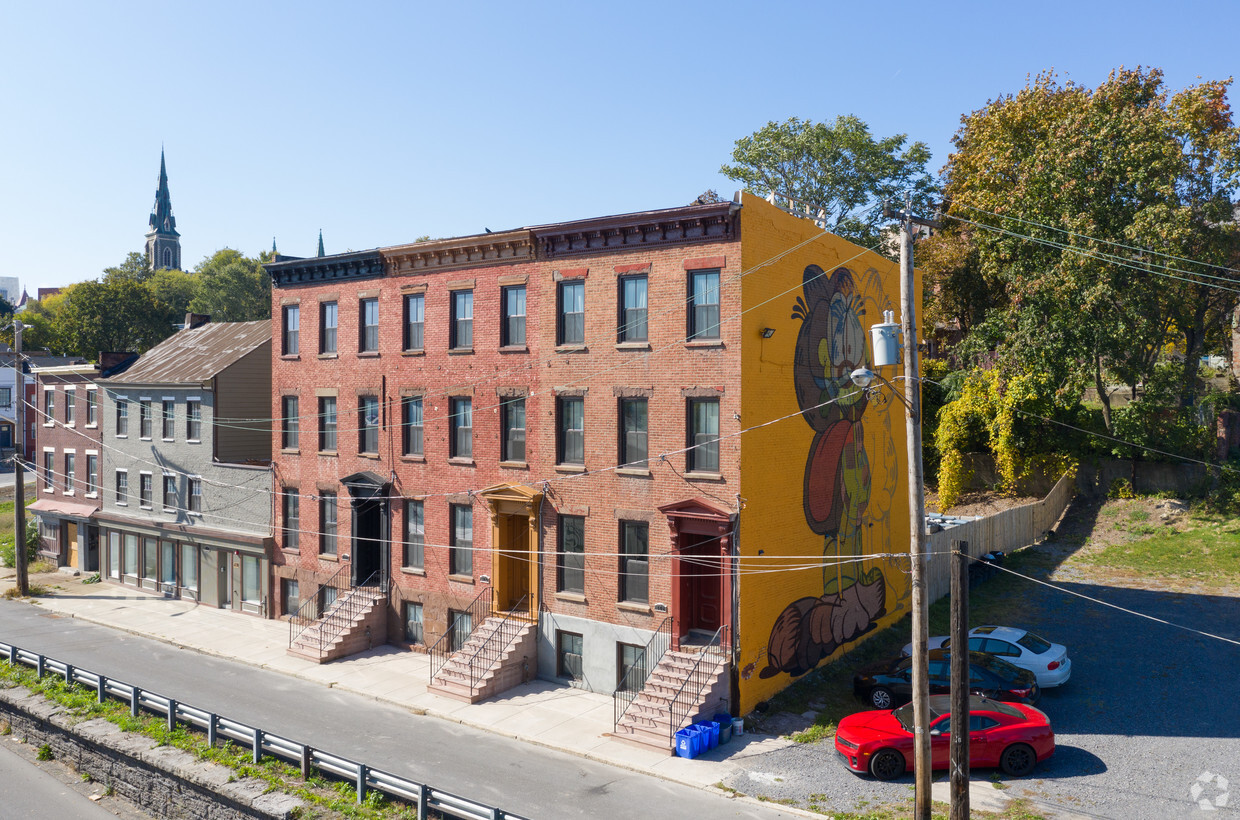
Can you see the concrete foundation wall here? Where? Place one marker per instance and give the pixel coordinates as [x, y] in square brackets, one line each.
[598, 642]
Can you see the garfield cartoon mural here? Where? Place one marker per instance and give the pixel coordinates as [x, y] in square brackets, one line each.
[837, 487]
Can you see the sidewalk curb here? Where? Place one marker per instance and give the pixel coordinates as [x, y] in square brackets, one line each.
[432, 713]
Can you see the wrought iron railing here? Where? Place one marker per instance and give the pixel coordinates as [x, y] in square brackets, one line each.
[337, 617]
[497, 643]
[451, 640]
[638, 672]
[717, 650]
[310, 610]
[426, 800]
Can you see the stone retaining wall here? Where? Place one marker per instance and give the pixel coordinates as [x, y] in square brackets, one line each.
[163, 781]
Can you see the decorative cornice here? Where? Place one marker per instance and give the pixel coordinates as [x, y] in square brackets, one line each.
[675, 226]
[361, 265]
[463, 252]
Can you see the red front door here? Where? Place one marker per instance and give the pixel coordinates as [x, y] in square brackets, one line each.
[701, 585]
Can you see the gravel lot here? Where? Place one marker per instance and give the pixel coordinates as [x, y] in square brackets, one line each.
[1150, 709]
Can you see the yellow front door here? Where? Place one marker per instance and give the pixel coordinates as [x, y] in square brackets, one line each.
[71, 547]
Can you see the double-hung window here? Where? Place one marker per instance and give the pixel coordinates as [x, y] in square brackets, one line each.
[70, 472]
[144, 418]
[703, 453]
[122, 487]
[633, 433]
[327, 524]
[145, 489]
[193, 420]
[369, 342]
[122, 417]
[411, 426]
[572, 558]
[413, 623]
[70, 408]
[195, 495]
[49, 406]
[513, 330]
[634, 561]
[571, 321]
[415, 320]
[329, 322]
[513, 444]
[368, 424]
[292, 519]
[92, 474]
[49, 470]
[327, 424]
[461, 547]
[415, 535]
[571, 430]
[462, 329]
[92, 408]
[290, 342]
[633, 309]
[170, 493]
[704, 304]
[462, 428]
[290, 423]
[169, 419]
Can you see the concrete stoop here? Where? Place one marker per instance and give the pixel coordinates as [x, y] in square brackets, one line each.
[367, 630]
[648, 719]
[512, 668]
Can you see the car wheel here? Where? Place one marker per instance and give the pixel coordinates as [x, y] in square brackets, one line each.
[881, 698]
[887, 764]
[1018, 760]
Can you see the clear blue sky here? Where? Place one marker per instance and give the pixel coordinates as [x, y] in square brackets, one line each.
[381, 122]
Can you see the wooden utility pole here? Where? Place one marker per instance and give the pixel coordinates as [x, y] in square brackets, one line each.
[916, 513]
[959, 765]
[19, 471]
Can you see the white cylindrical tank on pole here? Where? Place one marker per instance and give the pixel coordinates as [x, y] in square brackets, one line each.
[885, 341]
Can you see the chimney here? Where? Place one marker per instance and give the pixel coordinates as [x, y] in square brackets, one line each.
[193, 320]
[111, 363]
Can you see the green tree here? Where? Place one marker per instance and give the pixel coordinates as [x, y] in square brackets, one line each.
[1061, 187]
[175, 290]
[232, 287]
[838, 169]
[133, 269]
[117, 315]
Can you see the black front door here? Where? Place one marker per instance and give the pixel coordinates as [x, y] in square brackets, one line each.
[367, 541]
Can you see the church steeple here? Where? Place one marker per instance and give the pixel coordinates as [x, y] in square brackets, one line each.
[321, 243]
[163, 243]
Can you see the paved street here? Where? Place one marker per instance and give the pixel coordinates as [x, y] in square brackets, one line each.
[535, 780]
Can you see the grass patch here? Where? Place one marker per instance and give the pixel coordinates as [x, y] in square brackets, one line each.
[324, 798]
[1206, 550]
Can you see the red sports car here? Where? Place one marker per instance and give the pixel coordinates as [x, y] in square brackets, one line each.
[1012, 736]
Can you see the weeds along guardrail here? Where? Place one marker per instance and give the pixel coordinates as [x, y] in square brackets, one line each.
[429, 801]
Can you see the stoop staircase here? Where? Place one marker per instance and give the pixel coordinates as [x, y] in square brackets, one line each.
[494, 657]
[354, 622]
[685, 683]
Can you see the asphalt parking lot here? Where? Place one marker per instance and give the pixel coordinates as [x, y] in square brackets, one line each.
[1143, 729]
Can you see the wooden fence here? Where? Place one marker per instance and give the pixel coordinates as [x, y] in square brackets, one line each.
[1008, 530]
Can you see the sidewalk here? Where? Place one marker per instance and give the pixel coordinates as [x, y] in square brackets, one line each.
[551, 715]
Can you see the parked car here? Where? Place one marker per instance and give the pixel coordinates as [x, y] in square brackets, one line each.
[885, 686]
[1013, 736]
[1019, 647]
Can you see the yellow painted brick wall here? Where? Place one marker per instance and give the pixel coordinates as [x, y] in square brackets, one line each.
[850, 453]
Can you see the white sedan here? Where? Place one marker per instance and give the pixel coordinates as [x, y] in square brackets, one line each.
[1047, 661]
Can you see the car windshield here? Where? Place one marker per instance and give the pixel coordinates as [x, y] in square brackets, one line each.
[905, 715]
[1034, 644]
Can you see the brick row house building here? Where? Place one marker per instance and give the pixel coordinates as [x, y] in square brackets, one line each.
[69, 457]
[622, 452]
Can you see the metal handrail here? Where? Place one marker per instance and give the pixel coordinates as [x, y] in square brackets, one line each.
[308, 613]
[638, 672]
[681, 705]
[426, 799]
[343, 612]
[486, 655]
[442, 649]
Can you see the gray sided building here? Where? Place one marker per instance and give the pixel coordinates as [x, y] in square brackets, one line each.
[187, 484]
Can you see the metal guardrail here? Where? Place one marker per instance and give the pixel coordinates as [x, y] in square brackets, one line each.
[636, 675]
[262, 743]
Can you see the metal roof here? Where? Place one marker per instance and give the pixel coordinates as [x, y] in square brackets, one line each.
[195, 355]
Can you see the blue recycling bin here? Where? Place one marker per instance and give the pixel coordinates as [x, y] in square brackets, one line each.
[687, 743]
[710, 731]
